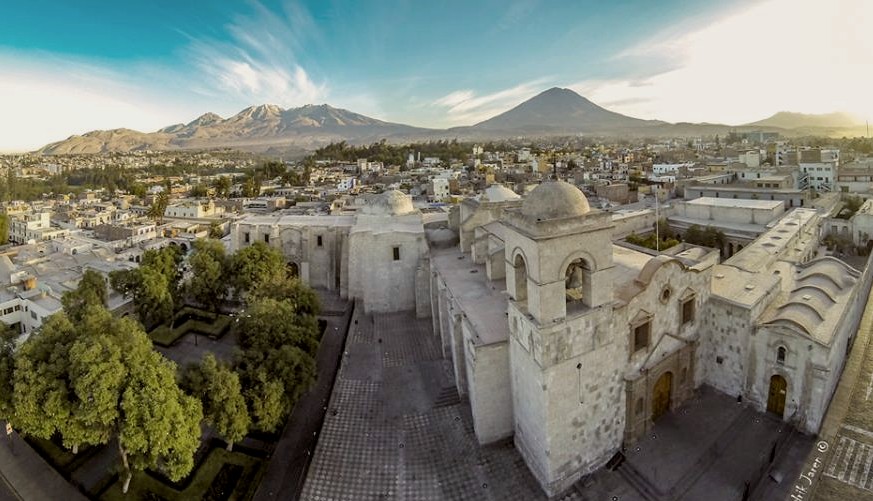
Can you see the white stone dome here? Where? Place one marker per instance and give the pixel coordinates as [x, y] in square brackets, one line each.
[390, 203]
[498, 193]
[554, 200]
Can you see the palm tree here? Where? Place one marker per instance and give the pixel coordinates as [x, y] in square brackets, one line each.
[159, 206]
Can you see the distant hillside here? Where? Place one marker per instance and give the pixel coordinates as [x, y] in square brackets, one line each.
[555, 112]
[791, 120]
[261, 128]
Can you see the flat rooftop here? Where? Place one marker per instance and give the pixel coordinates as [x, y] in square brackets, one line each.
[740, 203]
[792, 230]
[484, 301]
[627, 264]
[742, 189]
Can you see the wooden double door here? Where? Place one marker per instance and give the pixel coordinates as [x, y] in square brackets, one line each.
[776, 395]
[662, 394]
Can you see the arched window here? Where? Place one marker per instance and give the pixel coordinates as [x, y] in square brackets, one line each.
[520, 279]
[576, 277]
[780, 355]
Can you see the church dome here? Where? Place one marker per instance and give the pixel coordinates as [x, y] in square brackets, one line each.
[554, 200]
[498, 193]
[390, 203]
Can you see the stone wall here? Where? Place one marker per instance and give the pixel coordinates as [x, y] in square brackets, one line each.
[490, 395]
[383, 283]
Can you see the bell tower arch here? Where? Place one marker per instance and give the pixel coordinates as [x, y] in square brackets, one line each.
[566, 370]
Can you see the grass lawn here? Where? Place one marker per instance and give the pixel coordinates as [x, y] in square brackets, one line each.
[146, 487]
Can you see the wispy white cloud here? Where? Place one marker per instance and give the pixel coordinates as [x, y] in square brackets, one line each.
[259, 63]
[516, 11]
[464, 106]
[777, 55]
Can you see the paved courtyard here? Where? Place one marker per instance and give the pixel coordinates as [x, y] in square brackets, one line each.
[396, 429]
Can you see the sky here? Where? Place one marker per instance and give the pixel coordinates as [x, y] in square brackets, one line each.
[71, 67]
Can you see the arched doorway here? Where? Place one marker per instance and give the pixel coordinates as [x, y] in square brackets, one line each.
[520, 279]
[293, 270]
[777, 394]
[661, 395]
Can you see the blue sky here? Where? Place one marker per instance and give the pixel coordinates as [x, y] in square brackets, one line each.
[145, 64]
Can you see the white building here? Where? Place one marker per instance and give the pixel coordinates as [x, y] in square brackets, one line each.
[821, 175]
[752, 158]
[673, 169]
[347, 183]
[438, 188]
[378, 255]
[193, 209]
[574, 346]
[33, 227]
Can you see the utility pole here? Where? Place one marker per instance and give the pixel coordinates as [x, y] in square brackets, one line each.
[657, 223]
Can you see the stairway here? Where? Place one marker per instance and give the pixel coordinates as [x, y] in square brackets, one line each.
[640, 483]
[447, 397]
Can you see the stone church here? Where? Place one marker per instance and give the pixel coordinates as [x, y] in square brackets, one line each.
[573, 344]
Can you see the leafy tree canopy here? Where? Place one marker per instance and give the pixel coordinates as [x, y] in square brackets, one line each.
[99, 378]
[208, 283]
[91, 291]
[255, 264]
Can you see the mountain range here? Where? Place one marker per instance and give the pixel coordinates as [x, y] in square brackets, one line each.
[554, 112]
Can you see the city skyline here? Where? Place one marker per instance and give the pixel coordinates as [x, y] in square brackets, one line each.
[147, 65]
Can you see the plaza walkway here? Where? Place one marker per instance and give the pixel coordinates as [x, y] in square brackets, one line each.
[24, 475]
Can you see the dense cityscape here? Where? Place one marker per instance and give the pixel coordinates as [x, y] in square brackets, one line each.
[645, 278]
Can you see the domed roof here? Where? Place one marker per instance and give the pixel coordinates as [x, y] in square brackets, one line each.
[554, 200]
[498, 193]
[390, 203]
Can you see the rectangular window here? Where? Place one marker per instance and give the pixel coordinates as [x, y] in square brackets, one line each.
[688, 311]
[641, 336]
[396, 252]
[247, 236]
[318, 241]
[267, 238]
[33, 315]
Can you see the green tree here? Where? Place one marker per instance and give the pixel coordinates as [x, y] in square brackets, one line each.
[4, 228]
[268, 403]
[151, 291]
[280, 287]
[138, 190]
[278, 346]
[100, 378]
[199, 191]
[254, 264]
[91, 291]
[251, 187]
[166, 261]
[224, 407]
[159, 207]
[216, 231]
[222, 186]
[208, 282]
[707, 237]
[269, 323]
[7, 368]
